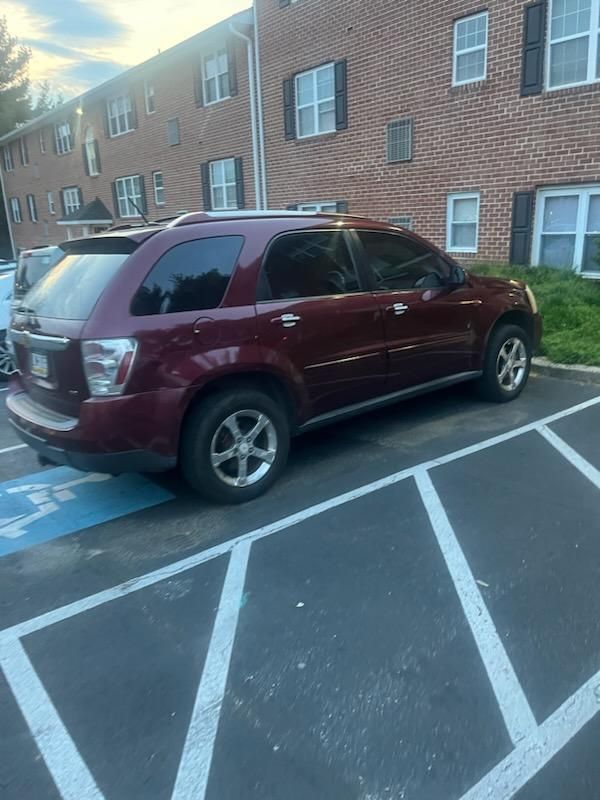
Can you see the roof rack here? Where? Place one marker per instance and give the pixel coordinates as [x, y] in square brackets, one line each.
[250, 213]
[128, 225]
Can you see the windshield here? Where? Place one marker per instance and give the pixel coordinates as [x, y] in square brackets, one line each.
[31, 269]
[72, 288]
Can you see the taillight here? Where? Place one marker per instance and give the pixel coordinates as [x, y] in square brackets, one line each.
[107, 364]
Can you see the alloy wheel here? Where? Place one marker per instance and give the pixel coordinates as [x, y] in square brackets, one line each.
[243, 448]
[511, 364]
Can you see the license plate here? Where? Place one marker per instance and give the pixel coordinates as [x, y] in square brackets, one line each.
[39, 365]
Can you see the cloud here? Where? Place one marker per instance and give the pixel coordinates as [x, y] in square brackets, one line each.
[92, 72]
[83, 20]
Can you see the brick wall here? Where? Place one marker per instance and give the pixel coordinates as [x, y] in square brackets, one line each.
[220, 130]
[481, 136]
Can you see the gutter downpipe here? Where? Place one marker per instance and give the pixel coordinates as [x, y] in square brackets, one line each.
[255, 153]
[261, 126]
[8, 219]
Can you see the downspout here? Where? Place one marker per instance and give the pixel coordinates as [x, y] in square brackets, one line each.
[8, 219]
[255, 155]
[259, 103]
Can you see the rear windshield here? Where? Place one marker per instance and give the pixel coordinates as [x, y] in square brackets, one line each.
[72, 288]
[31, 269]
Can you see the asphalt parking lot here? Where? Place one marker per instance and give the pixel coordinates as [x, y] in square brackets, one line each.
[412, 612]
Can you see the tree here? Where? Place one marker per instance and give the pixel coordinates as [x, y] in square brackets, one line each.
[46, 100]
[15, 103]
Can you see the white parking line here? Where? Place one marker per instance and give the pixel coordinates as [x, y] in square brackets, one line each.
[194, 768]
[515, 709]
[578, 461]
[62, 758]
[11, 448]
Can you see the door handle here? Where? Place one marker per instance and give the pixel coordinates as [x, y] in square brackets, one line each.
[287, 320]
[398, 309]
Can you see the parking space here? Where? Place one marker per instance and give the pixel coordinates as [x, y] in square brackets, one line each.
[410, 613]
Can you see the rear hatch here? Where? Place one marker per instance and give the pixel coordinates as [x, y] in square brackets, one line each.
[49, 322]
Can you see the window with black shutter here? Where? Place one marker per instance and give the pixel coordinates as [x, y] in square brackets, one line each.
[316, 101]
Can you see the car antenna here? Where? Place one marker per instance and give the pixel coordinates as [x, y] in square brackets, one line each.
[139, 210]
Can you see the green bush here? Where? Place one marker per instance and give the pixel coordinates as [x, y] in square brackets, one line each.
[570, 307]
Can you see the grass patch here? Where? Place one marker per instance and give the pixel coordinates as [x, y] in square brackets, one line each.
[570, 306]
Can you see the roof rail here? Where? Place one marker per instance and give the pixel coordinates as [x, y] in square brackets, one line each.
[250, 213]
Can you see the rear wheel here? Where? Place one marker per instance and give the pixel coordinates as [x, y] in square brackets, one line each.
[234, 445]
[507, 364]
[8, 366]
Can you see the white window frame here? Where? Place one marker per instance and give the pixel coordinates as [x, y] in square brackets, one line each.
[71, 200]
[158, 189]
[456, 52]
[319, 207]
[149, 97]
[15, 210]
[32, 208]
[114, 115]
[316, 103]
[24, 155]
[126, 187]
[219, 166]
[7, 156]
[63, 137]
[214, 56]
[584, 193]
[450, 220]
[90, 153]
[593, 35]
[42, 140]
[50, 201]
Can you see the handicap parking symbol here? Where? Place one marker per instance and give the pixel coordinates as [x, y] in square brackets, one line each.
[62, 501]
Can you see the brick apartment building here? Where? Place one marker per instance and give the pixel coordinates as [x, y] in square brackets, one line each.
[473, 123]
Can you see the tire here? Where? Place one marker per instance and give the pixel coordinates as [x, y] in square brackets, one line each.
[223, 423]
[502, 342]
[8, 366]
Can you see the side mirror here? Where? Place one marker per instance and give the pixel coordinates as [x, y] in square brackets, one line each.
[457, 277]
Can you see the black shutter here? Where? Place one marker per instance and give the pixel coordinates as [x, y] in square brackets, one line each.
[33, 203]
[289, 116]
[61, 195]
[134, 116]
[20, 209]
[26, 149]
[54, 147]
[522, 219]
[205, 175]
[86, 165]
[283, 3]
[72, 125]
[198, 95]
[115, 198]
[98, 162]
[341, 96]
[106, 120]
[534, 33]
[143, 204]
[232, 68]
[80, 195]
[341, 206]
[239, 183]
[292, 207]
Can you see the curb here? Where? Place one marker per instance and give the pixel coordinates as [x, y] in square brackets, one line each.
[569, 372]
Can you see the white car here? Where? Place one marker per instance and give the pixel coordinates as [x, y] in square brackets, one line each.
[7, 362]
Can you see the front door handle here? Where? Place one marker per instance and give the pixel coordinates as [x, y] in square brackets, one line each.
[287, 320]
[398, 309]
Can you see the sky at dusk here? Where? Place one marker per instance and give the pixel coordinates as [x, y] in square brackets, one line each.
[78, 44]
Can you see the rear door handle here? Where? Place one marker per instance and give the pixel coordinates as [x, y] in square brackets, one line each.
[398, 309]
[287, 320]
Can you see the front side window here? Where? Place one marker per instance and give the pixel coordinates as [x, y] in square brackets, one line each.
[7, 158]
[32, 208]
[319, 207]
[462, 222]
[120, 115]
[223, 186]
[63, 138]
[470, 49]
[192, 276]
[15, 209]
[308, 264]
[71, 200]
[159, 188]
[50, 199]
[91, 153]
[315, 101]
[149, 97]
[574, 42]
[568, 229]
[129, 195]
[215, 77]
[401, 264]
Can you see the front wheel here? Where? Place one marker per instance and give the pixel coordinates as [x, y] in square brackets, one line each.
[507, 364]
[235, 445]
[8, 366]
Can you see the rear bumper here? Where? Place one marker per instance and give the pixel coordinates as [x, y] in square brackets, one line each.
[133, 433]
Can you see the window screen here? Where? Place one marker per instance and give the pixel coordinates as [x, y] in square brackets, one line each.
[401, 264]
[192, 276]
[308, 264]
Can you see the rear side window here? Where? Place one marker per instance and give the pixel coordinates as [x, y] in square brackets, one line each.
[191, 276]
[308, 264]
[71, 289]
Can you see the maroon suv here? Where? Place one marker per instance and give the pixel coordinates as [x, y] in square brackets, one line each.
[211, 340]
